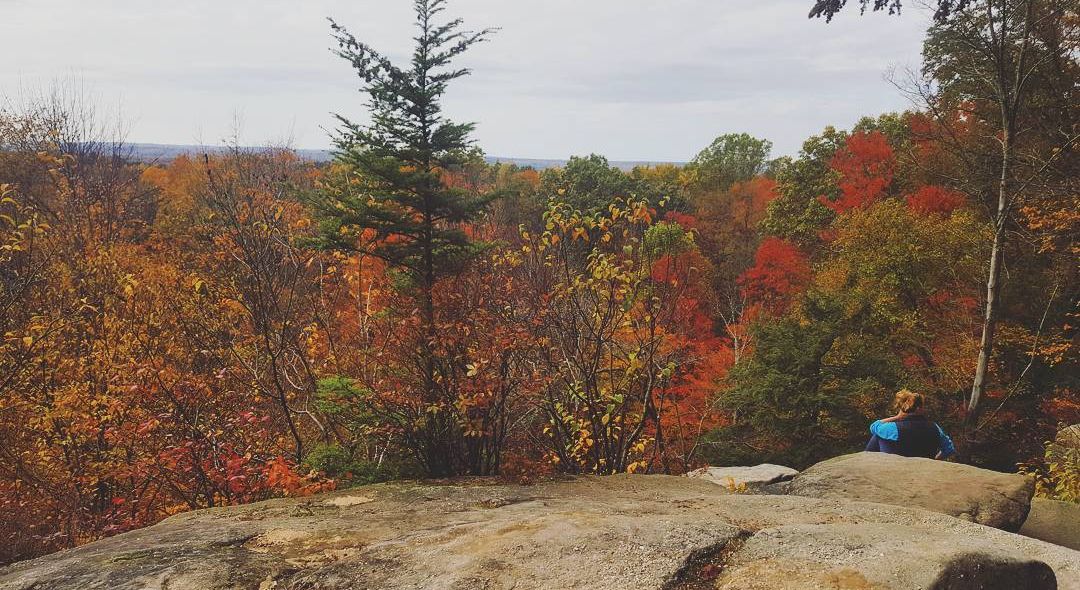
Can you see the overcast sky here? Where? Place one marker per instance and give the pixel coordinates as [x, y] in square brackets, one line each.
[630, 79]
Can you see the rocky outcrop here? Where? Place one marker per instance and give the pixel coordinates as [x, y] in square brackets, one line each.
[599, 533]
[736, 478]
[999, 500]
[873, 555]
[1053, 521]
[1068, 437]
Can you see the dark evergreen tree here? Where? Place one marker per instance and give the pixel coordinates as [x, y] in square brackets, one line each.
[401, 155]
[397, 192]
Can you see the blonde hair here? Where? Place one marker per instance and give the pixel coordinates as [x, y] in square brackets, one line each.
[908, 401]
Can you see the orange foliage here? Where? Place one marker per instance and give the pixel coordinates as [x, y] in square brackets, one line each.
[136, 399]
[750, 199]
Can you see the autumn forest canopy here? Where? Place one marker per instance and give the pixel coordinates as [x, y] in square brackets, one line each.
[226, 328]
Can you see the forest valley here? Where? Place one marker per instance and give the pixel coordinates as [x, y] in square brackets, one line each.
[222, 329]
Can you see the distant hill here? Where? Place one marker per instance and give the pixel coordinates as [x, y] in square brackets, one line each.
[162, 153]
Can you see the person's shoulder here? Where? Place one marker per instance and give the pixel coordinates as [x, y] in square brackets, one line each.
[885, 430]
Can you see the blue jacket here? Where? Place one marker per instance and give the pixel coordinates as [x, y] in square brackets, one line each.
[889, 437]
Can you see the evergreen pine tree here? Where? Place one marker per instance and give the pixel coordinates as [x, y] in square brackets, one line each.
[397, 191]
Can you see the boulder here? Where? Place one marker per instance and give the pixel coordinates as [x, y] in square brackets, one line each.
[873, 555]
[999, 500]
[1068, 437]
[735, 478]
[600, 533]
[1053, 521]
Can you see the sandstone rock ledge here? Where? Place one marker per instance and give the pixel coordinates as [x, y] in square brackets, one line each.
[1000, 500]
[598, 533]
[1054, 521]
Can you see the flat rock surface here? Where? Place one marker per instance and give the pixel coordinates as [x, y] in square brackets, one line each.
[1000, 500]
[660, 532]
[734, 477]
[1053, 521]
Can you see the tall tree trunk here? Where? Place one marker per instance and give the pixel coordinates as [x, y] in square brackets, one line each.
[993, 284]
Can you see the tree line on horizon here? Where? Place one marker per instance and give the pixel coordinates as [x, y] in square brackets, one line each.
[248, 324]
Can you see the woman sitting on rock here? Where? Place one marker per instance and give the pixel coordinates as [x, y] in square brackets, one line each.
[910, 433]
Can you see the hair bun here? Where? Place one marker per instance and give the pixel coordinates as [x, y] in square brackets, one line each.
[908, 401]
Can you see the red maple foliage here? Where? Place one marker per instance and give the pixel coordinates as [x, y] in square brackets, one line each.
[684, 219]
[934, 200]
[780, 271]
[685, 409]
[866, 165]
